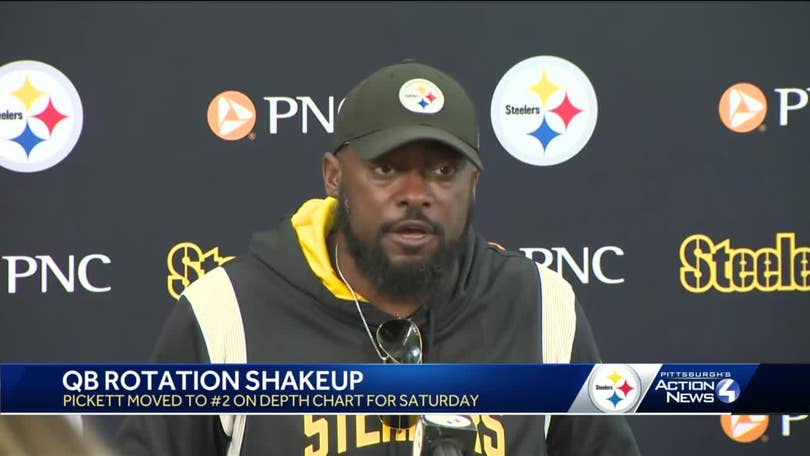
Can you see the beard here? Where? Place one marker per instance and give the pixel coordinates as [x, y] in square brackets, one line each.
[419, 279]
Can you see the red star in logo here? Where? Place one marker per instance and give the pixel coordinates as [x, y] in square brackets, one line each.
[431, 97]
[625, 388]
[566, 111]
[50, 116]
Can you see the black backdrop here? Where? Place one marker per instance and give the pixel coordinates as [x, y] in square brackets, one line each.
[148, 173]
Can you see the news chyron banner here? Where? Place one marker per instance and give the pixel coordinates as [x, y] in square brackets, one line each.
[406, 389]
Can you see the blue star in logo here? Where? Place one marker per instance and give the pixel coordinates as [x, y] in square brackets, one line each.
[423, 103]
[615, 399]
[28, 140]
[544, 134]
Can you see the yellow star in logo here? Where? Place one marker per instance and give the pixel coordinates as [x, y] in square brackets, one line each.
[615, 377]
[544, 88]
[28, 94]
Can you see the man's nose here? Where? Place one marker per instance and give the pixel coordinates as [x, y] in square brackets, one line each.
[414, 189]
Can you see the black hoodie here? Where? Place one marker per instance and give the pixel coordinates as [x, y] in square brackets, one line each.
[294, 309]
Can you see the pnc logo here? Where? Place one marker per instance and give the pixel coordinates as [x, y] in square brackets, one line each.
[744, 428]
[40, 116]
[742, 107]
[544, 110]
[231, 115]
[187, 262]
[26, 270]
[585, 266]
[749, 428]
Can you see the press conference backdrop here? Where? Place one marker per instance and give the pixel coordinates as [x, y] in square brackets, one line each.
[655, 154]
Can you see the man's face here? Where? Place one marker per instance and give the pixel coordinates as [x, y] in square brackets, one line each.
[405, 212]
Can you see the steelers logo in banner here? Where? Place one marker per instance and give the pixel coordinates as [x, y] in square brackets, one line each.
[40, 116]
[614, 388]
[544, 110]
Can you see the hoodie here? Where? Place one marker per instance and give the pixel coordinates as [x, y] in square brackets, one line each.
[289, 306]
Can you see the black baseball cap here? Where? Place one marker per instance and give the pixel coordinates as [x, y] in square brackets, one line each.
[406, 102]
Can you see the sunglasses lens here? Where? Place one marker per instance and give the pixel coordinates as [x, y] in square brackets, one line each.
[398, 421]
[400, 339]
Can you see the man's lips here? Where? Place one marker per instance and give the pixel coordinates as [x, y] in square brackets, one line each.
[412, 233]
[412, 227]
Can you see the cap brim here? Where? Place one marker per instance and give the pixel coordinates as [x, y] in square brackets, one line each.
[378, 143]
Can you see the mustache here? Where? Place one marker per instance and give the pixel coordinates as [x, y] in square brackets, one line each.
[413, 213]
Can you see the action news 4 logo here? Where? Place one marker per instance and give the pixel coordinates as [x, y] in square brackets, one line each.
[188, 262]
[691, 387]
[727, 390]
[743, 106]
[40, 116]
[707, 265]
[544, 110]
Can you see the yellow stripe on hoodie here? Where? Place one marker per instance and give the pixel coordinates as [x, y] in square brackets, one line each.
[312, 223]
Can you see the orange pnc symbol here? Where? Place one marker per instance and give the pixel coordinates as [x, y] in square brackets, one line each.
[744, 428]
[742, 107]
[231, 115]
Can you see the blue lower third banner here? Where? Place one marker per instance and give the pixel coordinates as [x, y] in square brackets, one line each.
[406, 389]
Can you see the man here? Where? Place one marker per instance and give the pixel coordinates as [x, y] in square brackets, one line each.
[392, 240]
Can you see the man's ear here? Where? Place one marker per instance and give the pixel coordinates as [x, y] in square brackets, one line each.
[331, 174]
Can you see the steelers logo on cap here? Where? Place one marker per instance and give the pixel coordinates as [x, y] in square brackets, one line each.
[421, 96]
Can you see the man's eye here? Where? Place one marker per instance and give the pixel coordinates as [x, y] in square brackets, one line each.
[383, 170]
[445, 170]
